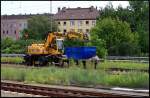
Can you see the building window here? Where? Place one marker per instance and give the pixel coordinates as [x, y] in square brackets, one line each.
[58, 23]
[20, 24]
[93, 22]
[87, 22]
[65, 30]
[7, 31]
[87, 30]
[64, 23]
[15, 25]
[79, 23]
[72, 30]
[15, 31]
[3, 32]
[79, 30]
[24, 25]
[72, 23]
[11, 25]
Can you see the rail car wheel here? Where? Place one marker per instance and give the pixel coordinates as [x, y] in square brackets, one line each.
[43, 61]
[28, 60]
[61, 63]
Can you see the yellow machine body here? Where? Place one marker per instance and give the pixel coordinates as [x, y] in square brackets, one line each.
[50, 46]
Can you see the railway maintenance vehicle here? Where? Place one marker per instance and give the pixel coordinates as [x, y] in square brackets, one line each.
[52, 50]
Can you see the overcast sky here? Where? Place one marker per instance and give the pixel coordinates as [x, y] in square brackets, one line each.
[34, 7]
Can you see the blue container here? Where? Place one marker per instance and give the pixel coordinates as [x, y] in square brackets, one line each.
[80, 52]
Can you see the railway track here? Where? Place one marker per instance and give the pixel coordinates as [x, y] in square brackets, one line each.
[65, 91]
[106, 69]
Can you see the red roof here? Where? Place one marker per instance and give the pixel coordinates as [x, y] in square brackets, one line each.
[77, 13]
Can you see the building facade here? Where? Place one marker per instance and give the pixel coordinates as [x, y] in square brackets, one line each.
[76, 19]
[12, 25]
[68, 19]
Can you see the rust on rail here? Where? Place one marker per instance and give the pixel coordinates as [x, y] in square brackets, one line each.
[66, 91]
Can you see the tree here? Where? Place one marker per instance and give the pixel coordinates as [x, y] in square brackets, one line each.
[38, 26]
[6, 42]
[137, 15]
[108, 11]
[100, 44]
[140, 10]
[117, 35]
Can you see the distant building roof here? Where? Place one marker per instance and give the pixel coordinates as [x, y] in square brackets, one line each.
[76, 13]
[22, 16]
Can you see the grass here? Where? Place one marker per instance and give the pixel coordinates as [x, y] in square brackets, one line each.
[12, 59]
[75, 75]
[101, 65]
[127, 65]
[130, 65]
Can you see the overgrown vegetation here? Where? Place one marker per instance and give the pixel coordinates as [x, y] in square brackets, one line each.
[12, 59]
[70, 43]
[8, 45]
[101, 65]
[127, 65]
[125, 30]
[118, 37]
[38, 27]
[76, 76]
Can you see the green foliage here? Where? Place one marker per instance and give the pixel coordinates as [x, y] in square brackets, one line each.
[70, 43]
[16, 46]
[100, 44]
[117, 35]
[121, 80]
[75, 76]
[137, 15]
[141, 11]
[6, 42]
[11, 74]
[107, 11]
[38, 26]
[23, 34]
[12, 59]
[121, 64]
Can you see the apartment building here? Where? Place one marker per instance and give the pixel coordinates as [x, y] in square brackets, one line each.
[68, 19]
[12, 25]
[76, 19]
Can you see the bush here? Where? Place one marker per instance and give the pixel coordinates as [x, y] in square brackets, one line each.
[100, 47]
[18, 46]
[117, 35]
[71, 43]
[6, 42]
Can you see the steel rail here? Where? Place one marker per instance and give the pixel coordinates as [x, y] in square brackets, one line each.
[66, 92]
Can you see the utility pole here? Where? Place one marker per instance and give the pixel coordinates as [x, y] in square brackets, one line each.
[51, 14]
